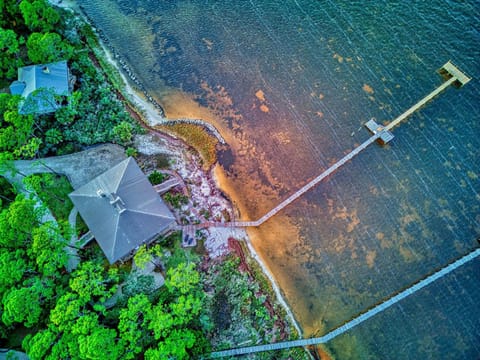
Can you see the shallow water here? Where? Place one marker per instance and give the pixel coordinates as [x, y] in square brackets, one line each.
[290, 84]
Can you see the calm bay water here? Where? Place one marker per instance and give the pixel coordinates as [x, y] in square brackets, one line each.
[291, 83]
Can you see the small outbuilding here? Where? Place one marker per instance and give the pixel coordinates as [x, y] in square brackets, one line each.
[43, 87]
[122, 210]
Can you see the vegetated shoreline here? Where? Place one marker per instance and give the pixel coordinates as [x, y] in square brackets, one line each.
[153, 117]
[152, 114]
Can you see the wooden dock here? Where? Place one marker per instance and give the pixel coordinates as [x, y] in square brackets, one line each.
[374, 128]
[449, 70]
[453, 76]
[356, 320]
[420, 104]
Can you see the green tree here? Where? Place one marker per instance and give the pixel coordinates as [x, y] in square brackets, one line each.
[66, 311]
[142, 257]
[47, 248]
[161, 322]
[156, 177]
[39, 15]
[100, 344]
[38, 345]
[171, 320]
[10, 14]
[132, 324]
[185, 308]
[29, 149]
[66, 114]
[175, 346]
[78, 334]
[53, 136]
[130, 151]
[24, 305]
[123, 132]
[183, 279]
[18, 221]
[7, 191]
[48, 47]
[138, 284]
[94, 340]
[91, 281]
[16, 130]
[8, 236]
[12, 268]
[10, 59]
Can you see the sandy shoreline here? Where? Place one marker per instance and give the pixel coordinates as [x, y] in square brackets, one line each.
[217, 241]
[217, 235]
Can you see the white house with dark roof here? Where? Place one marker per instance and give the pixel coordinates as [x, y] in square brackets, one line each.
[122, 210]
[41, 85]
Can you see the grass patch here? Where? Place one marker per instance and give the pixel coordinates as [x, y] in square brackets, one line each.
[81, 227]
[53, 190]
[178, 255]
[236, 307]
[196, 136]
[108, 68]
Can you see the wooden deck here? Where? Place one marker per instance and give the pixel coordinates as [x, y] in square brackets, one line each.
[166, 186]
[373, 127]
[449, 70]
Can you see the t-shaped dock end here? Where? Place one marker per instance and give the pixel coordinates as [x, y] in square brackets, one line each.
[449, 70]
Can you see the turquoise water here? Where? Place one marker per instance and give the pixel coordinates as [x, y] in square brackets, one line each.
[292, 83]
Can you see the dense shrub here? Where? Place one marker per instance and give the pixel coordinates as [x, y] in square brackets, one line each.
[156, 177]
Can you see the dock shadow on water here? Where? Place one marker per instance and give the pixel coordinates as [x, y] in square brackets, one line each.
[289, 85]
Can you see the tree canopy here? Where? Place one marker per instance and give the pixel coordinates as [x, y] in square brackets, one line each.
[166, 328]
[16, 131]
[10, 60]
[33, 32]
[38, 16]
[48, 47]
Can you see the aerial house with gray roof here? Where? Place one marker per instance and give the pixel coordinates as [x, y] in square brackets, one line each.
[122, 210]
[42, 87]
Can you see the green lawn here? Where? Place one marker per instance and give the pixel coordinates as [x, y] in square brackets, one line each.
[53, 190]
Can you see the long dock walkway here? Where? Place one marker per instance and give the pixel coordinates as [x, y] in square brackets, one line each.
[421, 103]
[453, 76]
[355, 321]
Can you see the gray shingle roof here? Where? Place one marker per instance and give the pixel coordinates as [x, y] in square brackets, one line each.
[39, 84]
[122, 209]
